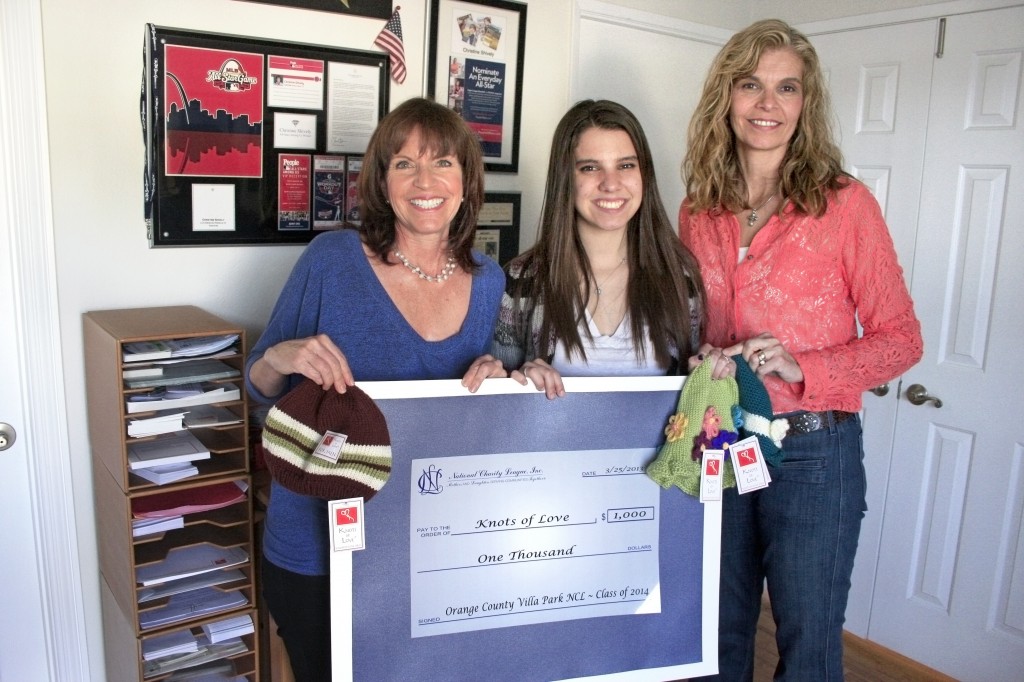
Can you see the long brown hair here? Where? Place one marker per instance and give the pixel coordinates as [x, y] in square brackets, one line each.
[813, 165]
[663, 274]
[443, 132]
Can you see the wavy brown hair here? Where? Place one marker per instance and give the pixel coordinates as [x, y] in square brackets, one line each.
[813, 164]
[443, 132]
[663, 274]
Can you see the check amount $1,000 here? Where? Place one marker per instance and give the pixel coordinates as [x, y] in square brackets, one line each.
[630, 514]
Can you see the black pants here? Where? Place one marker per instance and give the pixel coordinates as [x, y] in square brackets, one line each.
[301, 607]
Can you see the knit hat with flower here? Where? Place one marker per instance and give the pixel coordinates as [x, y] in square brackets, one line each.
[704, 420]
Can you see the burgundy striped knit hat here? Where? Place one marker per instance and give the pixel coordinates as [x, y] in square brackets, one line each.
[310, 426]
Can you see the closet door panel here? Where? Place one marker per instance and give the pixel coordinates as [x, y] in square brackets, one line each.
[880, 81]
[950, 583]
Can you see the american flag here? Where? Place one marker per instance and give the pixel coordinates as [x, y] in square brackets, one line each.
[390, 40]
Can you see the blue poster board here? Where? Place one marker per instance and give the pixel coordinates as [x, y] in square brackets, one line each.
[440, 419]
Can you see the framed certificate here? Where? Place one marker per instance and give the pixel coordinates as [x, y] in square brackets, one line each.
[497, 228]
[476, 68]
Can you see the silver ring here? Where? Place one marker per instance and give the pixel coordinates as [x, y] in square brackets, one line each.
[761, 358]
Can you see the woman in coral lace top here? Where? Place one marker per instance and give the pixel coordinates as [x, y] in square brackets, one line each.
[794, 253]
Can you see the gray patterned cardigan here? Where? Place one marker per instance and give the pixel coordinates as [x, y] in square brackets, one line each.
[517, 333]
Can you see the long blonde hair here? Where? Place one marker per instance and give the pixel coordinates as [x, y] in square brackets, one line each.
[813, 164]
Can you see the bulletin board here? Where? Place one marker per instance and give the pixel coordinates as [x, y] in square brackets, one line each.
[254, 141]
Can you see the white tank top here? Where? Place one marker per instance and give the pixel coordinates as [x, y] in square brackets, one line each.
[607, 356]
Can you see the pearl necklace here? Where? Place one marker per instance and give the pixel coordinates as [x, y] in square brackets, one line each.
[752, 218]
[446, 271]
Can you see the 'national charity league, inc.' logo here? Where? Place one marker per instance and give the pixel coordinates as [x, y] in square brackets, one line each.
[430, 481]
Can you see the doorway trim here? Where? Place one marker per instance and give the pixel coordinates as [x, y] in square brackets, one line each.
[25, 201]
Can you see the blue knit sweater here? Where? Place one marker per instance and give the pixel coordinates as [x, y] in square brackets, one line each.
[333, 290]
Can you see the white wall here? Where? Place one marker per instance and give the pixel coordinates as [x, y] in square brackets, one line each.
[735, 14]
[662, 92]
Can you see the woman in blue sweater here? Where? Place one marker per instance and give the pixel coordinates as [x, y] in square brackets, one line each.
[402, 297]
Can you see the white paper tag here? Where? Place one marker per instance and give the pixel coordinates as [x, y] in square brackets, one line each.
[711, 475]
[330, 446]
[346, 521]
[749, 465]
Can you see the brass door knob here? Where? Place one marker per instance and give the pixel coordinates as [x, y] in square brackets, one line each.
[881, 390]
[918, 395]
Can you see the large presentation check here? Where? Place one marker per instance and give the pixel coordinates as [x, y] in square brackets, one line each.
[519, 539]
[515, 539]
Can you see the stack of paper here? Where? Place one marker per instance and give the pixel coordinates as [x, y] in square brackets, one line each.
[141, 527]
[176, 348]
[188, 584]
[186, 390]
[189, 501]
[167, 473]
[164, 399]
[186, 373]
[164, 421]
[202, 602]
[167, 645]
[208, 651]
[218, 671]
[210, 415]
[222, 630]
[182, 562]
[166, 448]
[141, 372]
[141, 351]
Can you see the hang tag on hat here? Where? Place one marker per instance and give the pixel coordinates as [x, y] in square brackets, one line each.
[329, 447]
[711, 475]
[749, 466]
[346, 523]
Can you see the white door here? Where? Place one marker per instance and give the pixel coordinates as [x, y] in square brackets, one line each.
[22, 641]
[879, 79]
[949, 590]
[22, 638]
[41, 621]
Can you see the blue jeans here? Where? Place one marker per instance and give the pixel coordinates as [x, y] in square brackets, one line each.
[800, 535]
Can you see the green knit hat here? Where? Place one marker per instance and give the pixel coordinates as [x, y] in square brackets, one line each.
[703, 421]
[300, 421]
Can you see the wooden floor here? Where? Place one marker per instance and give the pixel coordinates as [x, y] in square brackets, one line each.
[863, 661]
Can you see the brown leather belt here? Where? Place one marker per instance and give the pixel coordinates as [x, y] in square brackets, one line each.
[806, 422]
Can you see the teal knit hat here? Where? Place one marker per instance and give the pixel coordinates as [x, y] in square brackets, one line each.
[308, 417]
[756, 413]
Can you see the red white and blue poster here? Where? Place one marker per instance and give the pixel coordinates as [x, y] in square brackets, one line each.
[483, 105]
[476, 70]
